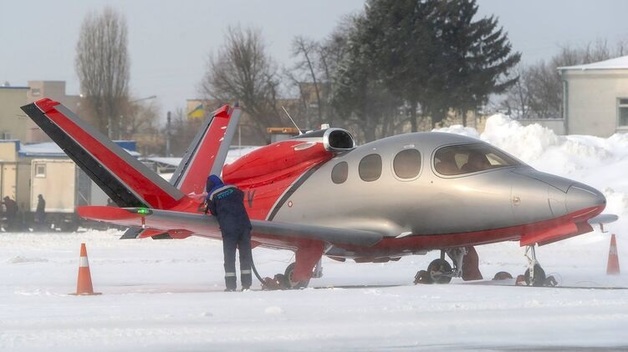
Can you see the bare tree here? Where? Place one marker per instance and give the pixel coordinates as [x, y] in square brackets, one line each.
[102, 65]
[242, 71]
[138, 118]
[517, 97]
[181, 130]
[316, 64]
[306, 77]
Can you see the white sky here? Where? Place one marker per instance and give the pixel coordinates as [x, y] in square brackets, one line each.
[170, 41]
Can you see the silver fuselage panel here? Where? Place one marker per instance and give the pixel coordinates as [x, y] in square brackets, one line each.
[506, 194]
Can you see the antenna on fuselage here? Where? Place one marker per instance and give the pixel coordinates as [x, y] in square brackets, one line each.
[290, 117]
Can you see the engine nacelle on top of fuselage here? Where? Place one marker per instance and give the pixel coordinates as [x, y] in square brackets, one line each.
[285, 158]
[336, 140]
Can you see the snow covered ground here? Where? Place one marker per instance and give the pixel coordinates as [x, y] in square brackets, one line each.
[167, 295]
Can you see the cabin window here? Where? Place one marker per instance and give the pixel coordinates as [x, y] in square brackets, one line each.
[407, 163]
[40, 170]
[340, 172]
[468, 158]
[370, 168]
[623, 112]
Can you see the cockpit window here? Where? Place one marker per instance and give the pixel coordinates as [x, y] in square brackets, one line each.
[407, 163]
[468, 158]
[370, 168]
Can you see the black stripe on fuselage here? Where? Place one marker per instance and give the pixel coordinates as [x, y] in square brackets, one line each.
[100, 175]
[291, 190]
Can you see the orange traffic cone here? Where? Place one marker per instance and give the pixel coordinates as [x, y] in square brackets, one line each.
[84, 283]
[613, 260]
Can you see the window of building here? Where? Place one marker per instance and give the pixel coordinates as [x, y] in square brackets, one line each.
[340, 172]
[370, 168]
[622, 110]
[40, 170]
[407, 163]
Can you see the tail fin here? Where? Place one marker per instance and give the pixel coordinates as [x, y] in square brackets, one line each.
[127, 181]
[207, 152]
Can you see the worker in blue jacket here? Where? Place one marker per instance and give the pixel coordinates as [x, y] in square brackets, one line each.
[226, 203]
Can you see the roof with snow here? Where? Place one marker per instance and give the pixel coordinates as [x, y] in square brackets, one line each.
[49, 150]
[617, 63]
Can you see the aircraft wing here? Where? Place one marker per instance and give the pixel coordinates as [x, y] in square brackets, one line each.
[153, 222]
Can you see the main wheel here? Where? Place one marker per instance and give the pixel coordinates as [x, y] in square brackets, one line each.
[290, 283]
[539, 276]
[439, 271]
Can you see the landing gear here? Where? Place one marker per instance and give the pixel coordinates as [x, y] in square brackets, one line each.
[535, 275]
[298, 274]
[465, 264]
[286, 280]
[439, 271]
[289, 281]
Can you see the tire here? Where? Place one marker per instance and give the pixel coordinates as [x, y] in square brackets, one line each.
[539, 276]
[439, 271]
[288, 277]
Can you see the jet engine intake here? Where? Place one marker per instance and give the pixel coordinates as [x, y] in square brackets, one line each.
[338, 140]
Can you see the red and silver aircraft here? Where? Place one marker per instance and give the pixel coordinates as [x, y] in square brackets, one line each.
[320, 194]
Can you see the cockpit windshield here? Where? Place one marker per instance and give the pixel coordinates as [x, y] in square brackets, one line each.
[468, 158]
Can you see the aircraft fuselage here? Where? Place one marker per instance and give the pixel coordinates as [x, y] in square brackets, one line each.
[401, 187]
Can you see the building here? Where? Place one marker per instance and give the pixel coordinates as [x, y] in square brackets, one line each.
[13, 121]
[595, 97]
[14, 124]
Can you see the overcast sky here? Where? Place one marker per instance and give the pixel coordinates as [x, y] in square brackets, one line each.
[170, 41]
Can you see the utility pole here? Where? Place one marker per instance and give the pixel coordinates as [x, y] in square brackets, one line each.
[168, 135]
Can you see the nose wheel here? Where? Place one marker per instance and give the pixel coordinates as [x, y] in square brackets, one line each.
[535, 275]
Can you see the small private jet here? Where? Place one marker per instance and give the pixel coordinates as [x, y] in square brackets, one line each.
[318, 194]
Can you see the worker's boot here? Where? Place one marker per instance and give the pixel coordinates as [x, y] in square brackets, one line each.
[247, 279]
[230, 283]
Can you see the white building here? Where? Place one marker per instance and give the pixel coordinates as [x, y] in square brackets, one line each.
[596, 97]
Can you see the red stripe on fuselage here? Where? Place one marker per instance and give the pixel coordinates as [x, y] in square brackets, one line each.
[543, 232]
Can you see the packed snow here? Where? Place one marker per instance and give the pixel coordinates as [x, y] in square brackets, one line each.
[162, 295]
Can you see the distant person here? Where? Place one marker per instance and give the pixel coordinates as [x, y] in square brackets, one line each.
[226, 203]
[40, 212]
[11, 213]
